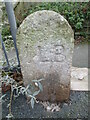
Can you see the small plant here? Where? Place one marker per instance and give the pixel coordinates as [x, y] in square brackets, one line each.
[1, 98]
[78, 25]
[16, 90]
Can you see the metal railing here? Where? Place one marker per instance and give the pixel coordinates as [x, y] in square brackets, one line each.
[13, 28]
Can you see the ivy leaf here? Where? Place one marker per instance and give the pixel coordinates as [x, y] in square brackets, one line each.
[32, 102]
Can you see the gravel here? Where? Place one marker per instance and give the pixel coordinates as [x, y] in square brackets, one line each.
[76, 107]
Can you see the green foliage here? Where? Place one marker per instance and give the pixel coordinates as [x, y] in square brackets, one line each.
[78, 25]
[5, 31]
[75, 13]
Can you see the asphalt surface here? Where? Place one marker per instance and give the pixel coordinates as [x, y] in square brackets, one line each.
[76, 108]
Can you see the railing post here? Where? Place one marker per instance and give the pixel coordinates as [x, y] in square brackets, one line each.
[4, 51]
[13, 27]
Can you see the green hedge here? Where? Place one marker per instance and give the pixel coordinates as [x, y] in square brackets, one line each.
[75, 13]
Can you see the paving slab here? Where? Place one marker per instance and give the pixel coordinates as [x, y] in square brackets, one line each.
[79, 79]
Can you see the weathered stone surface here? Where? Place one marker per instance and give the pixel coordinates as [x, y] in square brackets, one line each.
[45, 43]
[15, 3]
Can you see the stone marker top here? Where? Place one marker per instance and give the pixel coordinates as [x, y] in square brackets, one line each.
[44, 27]
[44, 20]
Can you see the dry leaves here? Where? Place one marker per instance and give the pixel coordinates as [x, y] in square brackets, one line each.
[51, 107]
